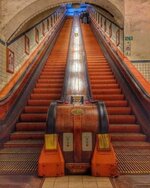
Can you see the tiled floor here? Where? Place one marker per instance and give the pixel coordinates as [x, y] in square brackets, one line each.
[77, 182]
[126, 181]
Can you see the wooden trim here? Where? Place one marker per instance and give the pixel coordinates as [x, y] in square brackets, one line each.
[43, 28]
[27, 44]
[110, 30]
[101, 21]
[105, 26]
[10, 60]
[118, 37]
[47, 24]
[51, 20]
[37, 35]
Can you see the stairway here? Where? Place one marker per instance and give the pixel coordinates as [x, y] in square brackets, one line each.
[20, 154]
[129, 142]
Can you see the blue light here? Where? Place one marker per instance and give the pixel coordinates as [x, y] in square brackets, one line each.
[71, 10]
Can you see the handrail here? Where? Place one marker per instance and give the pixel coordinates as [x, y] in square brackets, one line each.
[14, 89]
[126, 69]
[51, 118]
[12, 114]
[131, 76]
[103, 118]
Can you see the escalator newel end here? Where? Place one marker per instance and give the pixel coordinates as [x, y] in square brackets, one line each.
[51, 161]
[104, 161]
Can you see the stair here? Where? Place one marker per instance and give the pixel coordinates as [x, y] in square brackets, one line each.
[27, 140]
[124, 129]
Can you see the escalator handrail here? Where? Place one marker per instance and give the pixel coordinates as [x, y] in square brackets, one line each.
[15, 87]
[51, 118]
[13, 90]
[103, 118]
[137, 84]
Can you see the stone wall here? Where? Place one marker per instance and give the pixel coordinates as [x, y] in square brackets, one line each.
[137, 28]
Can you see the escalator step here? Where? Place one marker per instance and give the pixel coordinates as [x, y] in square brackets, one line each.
[30, 126]
[52, 76]
[108, 97]
[39, 102]
[50, 85]
[131, 144]
[36, 109]
[53, 96]
[122, 119]
[24, 143]
[105, 86]
[119, 110]
[27, 135]
[123, 137]
[120, 103]
[106, 91]
[120, 128]
[36, 117]
[101, 77]
[47, 90]
[105, 81]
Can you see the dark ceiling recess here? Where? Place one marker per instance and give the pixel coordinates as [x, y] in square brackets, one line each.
[76, 5]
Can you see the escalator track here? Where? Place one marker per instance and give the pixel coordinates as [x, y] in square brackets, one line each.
[132, 150]
[20, 154]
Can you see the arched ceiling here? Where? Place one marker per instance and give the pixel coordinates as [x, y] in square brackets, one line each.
[15, 14]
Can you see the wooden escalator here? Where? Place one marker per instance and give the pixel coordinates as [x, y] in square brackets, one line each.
[20, 154]
[128, 140]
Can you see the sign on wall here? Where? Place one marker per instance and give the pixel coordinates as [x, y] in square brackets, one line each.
[10, 61]
[127, 44]
[128, 38]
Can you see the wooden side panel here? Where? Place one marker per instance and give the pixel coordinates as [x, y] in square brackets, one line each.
[80, 121]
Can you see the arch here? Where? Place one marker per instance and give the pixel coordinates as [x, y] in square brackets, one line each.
[20, 17]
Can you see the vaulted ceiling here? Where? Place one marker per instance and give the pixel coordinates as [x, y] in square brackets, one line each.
[15, 14]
